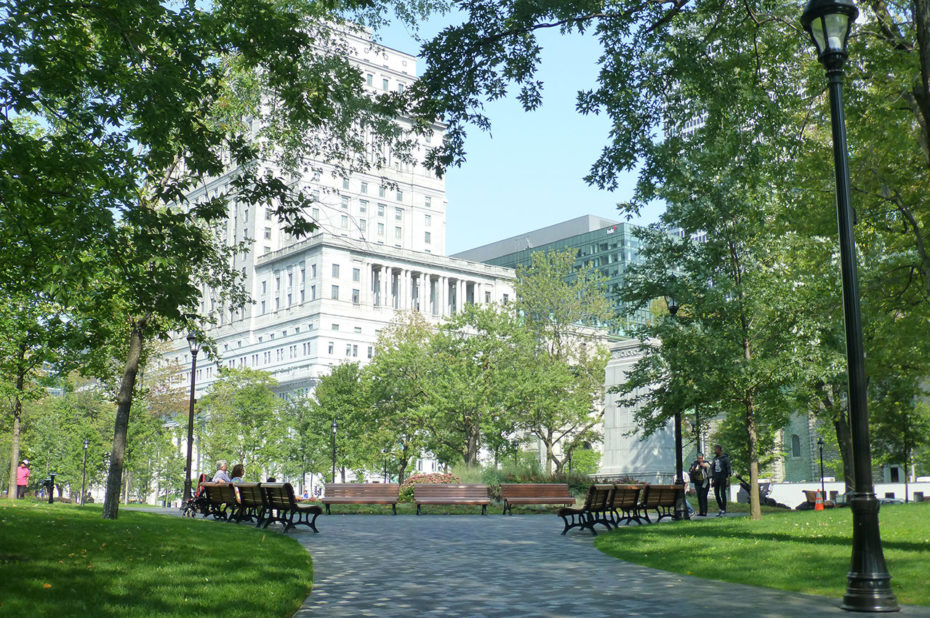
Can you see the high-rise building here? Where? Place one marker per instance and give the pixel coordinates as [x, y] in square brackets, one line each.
[606, 245]
[379, 249]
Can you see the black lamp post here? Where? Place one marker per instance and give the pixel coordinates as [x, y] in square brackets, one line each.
[868, 585]
[84, 470]
[823, 491]
[195, 348]
[384, 463]
[681, 508]
[335, 427]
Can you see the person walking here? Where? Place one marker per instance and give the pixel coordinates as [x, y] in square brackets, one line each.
[721, 474]
[700, 476]
[22, 478]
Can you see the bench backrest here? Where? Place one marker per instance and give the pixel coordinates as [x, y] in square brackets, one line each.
[659, 495]
[598, 497]
[220, 493]
[279, 495]
[626, 497]
[363, 490]
[250, 494]
[535, 490]
[454, 492]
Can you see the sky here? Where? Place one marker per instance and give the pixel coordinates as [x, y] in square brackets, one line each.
[528, 172]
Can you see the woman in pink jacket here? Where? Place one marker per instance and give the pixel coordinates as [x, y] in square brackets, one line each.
[22, 478]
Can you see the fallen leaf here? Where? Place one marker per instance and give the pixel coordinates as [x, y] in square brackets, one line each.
[46, 586]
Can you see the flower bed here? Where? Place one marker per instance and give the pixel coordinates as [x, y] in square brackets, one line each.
[436, 478]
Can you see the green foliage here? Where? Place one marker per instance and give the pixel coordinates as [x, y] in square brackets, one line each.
[67, 560]
[585, 461]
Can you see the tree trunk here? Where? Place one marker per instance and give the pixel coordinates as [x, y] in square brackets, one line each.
[921, 17]
[844, 441]
[752, 439]
[17, 417]
[472, 445]
[123, 405]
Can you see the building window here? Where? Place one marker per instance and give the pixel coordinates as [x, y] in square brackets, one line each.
[354, 350]
[345, 202]
[315, 214]
[267, 233]
[344, 222]
[363, 226]
[400, 195]
[487, 298]
[427, 201]
[345, 183]
[335, 326]
[370, 351]
[267, 214]
[381, 229]
[312, 292]
[380, 210]
[355, 297]
[369, 79]
[335, 271]
[384, 84]
[428, 220]
[313, 270]
[795, 445]
[356, 274]
[381, 191]
[398, 233]
[398, 214]
[335, 294]
[331, 346]
[400, 88]
[263, 307]
[364, 187]
[363, 206]
[264, 287]
[426, 237]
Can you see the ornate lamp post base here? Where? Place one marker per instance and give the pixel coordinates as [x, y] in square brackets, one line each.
[868, 586]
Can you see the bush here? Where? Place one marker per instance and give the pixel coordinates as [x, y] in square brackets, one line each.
[437, 478]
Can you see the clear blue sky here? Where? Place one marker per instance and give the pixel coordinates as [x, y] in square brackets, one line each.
[528, 172]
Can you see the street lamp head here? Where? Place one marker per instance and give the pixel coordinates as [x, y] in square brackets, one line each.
[194, 343]
[86, 443]
[672, 305]
[829, 22]
[335, 426]
[820, 442]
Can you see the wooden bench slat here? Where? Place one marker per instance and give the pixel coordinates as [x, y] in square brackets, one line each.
[452, 494]
[362, 493]
[535, 493]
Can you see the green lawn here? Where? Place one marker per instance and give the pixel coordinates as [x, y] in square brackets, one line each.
[65, 560]
[804, 551]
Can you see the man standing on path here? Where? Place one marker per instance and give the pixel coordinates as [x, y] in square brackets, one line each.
[721, 473]
[22, 478]
[700, 476]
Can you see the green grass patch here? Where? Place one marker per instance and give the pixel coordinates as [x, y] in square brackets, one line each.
[805, 551]
[66, 560]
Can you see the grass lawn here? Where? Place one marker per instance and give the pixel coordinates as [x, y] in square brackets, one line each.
[65, 560]
[805, 551]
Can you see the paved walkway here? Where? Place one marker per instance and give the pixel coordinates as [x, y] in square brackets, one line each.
[461, 565]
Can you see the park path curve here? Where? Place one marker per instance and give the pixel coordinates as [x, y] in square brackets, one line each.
[464, 565]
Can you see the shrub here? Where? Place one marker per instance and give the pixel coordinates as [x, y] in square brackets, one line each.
[436, 478]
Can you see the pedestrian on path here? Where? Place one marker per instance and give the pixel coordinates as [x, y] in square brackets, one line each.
[721, 474]
[700, 476]
[22, 478]
[686, 480]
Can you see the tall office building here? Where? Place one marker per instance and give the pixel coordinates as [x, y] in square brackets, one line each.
[608, 246]
[379, 250]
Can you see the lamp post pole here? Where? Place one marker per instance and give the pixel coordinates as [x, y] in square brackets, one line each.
[868, 585]
[84, 470]
[823, 491]
[195, 348]
[335, 427]
[681, 507]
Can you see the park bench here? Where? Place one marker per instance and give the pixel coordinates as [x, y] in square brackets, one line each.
[535, 493]
[661, 499]
[594, 511]
[222, 500]
[362, 493]
[624, 504]
[251, 503]
[281, 505]
[452, 494]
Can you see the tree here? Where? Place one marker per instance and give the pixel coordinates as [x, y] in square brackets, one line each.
[243, 419]
[341, 397]
[397, 380]
[567, 310]
[479, 360]
[98, 193]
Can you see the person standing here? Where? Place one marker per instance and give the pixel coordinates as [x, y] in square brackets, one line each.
[22, 478]
[721, 474]
[700, 476]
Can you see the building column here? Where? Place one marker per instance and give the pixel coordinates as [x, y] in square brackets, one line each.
[443, 295]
